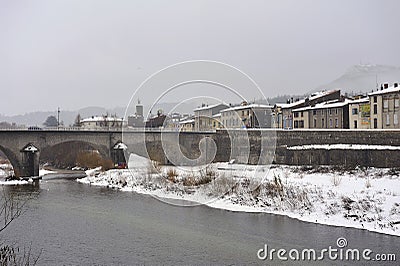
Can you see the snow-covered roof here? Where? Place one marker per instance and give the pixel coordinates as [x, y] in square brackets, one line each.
[189, 121]
[207, 107]
[362, 100]
[30, 148]
[217, 115]
[102, 119]
[249, 106]
[313, 96]
[120, 146]
[388, 90]
[325, 105]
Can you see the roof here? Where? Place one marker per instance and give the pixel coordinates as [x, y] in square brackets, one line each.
[249, 106]
[325, 105]
[209, 107]
[313, 96]
[102, 118]
[388, 90]
[362, 100]
[189, 121]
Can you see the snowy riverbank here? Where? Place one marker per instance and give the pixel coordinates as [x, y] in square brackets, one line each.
[363, 198]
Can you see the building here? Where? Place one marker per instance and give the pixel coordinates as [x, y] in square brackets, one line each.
[187, 125]
[329, 115]
[385, 107]
[102, 122]
[156, 121]
[137, 120]
[359, 113]
[247, 116]
[203, 116]
[282, 116]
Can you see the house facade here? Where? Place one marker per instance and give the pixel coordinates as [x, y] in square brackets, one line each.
[204, 116]
[283, 116]
[359, 113]
[328, 115]
[385, 107]
[247, 116]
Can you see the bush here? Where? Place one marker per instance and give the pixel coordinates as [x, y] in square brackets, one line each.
[91, 159]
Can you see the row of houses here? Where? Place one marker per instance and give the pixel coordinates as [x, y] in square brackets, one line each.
[322, 110]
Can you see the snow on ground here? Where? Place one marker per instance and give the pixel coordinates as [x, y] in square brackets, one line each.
[362, 198]
[43, 172]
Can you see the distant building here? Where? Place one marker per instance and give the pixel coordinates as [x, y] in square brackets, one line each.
[385, 107]
[187, 124]
[102, 122]
[282, 116]
[359, 113]
[203, 116]
[329, 115]
[156, 121]
[247, 116]
[137, 120]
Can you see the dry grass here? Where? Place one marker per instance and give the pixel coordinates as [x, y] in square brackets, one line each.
[336, 180]
[89, 159]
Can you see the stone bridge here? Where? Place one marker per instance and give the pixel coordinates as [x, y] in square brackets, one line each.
[23, 147]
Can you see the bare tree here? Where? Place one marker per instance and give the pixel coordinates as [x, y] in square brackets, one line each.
[12, 207]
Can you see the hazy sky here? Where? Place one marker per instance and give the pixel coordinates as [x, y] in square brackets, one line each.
[81, 53]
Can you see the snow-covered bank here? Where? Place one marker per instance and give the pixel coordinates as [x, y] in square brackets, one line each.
[16, 182]
[364, 198]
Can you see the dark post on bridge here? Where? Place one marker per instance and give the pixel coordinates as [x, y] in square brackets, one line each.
[30, 161]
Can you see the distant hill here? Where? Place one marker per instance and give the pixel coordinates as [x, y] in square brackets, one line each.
[363, 78]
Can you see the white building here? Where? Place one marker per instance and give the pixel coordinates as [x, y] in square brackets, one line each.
[102, 122]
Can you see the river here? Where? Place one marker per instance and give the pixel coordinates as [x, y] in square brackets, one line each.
[77, 224]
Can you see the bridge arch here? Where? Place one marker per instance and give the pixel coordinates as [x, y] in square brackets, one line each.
[64, 153]
[14, 160]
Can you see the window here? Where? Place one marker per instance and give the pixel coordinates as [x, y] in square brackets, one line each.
[296, 124]
[387, 119]
[330, 111]
[330, 123]
[395, 119]
[336, 122]
[396, 103]
[314, 112]
[301, 114]
[336, 110]
[322, 112]
[355, 124]
[301, 124]
[375, 123]
[354, 111]
[315, 122]
[375, 109]
[296, 114]
[248, 112]
[242, 113]
[375, 99]
[385, 104]
[323, 123]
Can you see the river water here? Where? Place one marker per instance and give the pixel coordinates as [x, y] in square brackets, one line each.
[77, 224]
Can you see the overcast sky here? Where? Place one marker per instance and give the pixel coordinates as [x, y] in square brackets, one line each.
[81, 53]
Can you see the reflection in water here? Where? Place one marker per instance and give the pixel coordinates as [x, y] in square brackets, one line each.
[77, 224]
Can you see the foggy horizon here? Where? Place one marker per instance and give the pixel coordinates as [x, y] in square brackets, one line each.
[75, 54]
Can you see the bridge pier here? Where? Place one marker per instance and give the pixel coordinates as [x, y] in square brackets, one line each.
[30, 161]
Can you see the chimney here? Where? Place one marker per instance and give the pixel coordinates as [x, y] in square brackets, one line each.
[396, 84]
